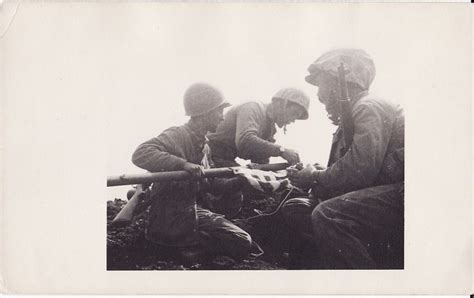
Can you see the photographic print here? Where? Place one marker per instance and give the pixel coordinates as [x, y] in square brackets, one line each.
[236, 148]
[262, 145]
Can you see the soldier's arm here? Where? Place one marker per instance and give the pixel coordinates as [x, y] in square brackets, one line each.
[157, 154]
[249, 145]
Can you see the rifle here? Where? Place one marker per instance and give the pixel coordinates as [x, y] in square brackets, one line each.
[183, 175]
[125, 216]
[345, 107]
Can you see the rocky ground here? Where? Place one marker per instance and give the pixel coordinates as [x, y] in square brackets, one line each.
[127, 248]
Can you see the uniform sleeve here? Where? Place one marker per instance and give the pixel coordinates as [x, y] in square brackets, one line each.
[249, 145]
[361, 164]
[158, 154]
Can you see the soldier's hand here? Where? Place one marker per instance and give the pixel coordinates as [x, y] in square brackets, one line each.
[194, 169]
[319, 167]
[303, 178]
[292, 170]
[291, 156]
[253, 165]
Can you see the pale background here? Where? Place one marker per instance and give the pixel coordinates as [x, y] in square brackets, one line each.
[84, 84]
[248, 54]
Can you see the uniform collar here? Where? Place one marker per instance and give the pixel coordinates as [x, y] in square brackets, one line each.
[358, 96]
[196, 130]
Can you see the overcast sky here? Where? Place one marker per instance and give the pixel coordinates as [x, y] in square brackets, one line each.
[82, 84]
[135, 63]
[249, 54]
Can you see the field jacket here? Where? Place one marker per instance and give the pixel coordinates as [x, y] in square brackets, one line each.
[173, 217]
[376, 154]
[246, 132]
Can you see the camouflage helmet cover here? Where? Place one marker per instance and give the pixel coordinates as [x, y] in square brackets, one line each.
[360, 66]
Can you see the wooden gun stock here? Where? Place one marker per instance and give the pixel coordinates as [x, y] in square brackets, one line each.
[125, 216]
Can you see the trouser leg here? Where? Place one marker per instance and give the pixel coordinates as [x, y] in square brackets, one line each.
[221, 236]
[348, 227]
[297, 214]
[302, 248]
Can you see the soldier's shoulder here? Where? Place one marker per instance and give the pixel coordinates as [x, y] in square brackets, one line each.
[253, 106]
[173, 130]
[375, 101]
[376, 104]
[253, 103]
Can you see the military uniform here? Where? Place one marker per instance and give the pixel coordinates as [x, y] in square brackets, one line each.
[246, 132]
[362, 189]
[248, 129]
[175, 218]
[361, 216]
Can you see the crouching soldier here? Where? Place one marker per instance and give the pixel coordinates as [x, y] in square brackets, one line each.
[248, 129]
[176, 219]
[361, 217]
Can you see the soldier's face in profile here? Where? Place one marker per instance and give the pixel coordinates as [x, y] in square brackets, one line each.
[286, 113]
[292, 112]
[213, 118]
[327, 86]
[327, 94]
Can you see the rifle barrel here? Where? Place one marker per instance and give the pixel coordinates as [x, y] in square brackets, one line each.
[128, 179]
[342, 81]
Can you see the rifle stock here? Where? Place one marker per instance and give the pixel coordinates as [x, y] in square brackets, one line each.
[125, 216]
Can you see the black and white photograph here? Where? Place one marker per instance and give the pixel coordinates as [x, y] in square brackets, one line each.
[236, 209]
[237, 147]
[267, 145]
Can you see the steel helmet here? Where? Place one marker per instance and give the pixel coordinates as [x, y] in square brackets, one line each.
[201, 98]
[360, 66]
[296, 96]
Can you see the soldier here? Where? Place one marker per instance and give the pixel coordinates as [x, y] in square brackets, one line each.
[362, 189]
[175, 218]
[248, 129]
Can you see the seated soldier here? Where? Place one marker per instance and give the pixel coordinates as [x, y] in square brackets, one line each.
[362, 189]
[175, 217]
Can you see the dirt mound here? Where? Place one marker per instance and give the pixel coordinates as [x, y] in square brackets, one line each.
[127, 248]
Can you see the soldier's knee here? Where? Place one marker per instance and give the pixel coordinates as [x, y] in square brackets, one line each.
[245, 239]
[322, 223]
[290, 208]
[242, 245]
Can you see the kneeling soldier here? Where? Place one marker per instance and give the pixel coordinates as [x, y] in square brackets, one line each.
[176, 219]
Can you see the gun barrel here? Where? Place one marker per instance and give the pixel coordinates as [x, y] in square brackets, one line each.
[342, 81]
[182, 175]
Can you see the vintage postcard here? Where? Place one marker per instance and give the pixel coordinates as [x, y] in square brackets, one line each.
[236, 148]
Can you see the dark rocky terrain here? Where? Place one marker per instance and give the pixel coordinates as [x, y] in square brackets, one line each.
[127, 248]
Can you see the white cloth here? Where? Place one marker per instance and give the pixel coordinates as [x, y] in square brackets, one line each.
[264, 181]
